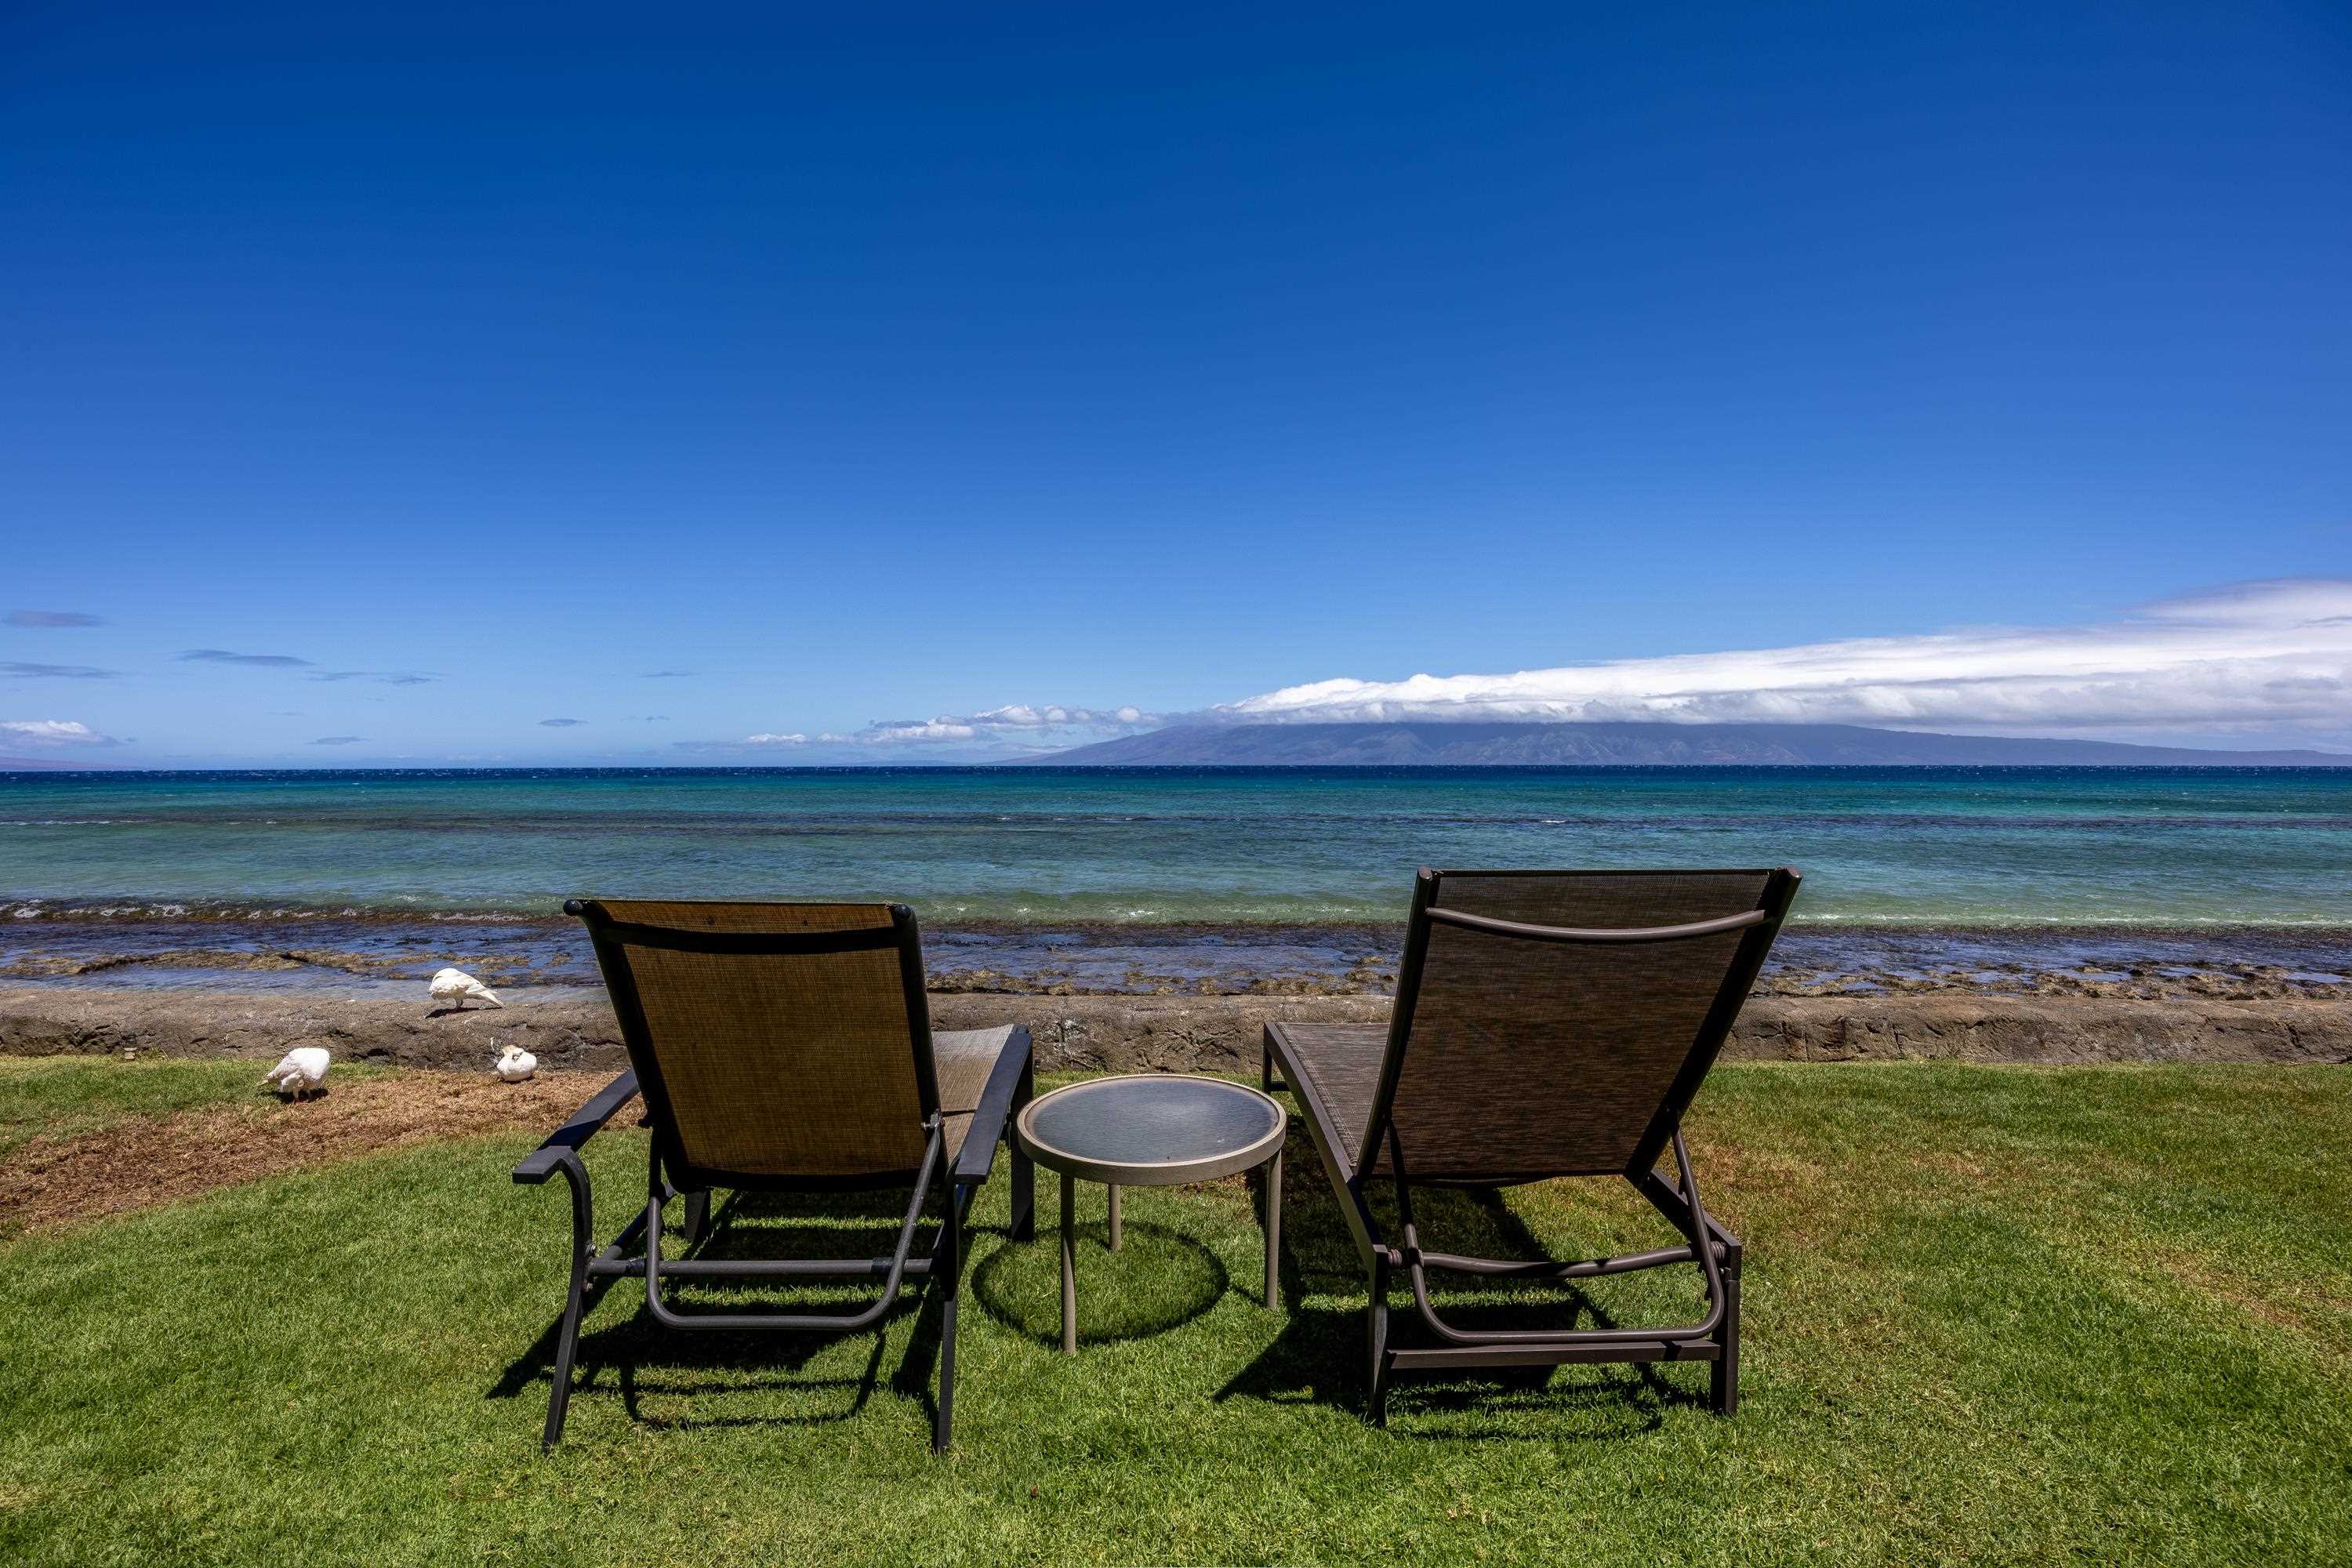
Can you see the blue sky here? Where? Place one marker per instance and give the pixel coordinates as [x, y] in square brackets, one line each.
[922, 363]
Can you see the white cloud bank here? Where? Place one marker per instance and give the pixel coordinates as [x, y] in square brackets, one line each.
[1049, 727]
[1015, 730]
[2269, 656]
[53, 732]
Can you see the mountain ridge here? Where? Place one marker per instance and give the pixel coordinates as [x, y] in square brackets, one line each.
[47, 764]
[1634, 744]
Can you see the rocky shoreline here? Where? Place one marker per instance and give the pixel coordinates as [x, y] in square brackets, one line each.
[343, 956]
[575, 1030]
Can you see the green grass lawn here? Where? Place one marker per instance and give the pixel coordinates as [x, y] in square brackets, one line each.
[1993, 1313]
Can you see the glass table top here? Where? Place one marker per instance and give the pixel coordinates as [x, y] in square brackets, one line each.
[1152, 1119]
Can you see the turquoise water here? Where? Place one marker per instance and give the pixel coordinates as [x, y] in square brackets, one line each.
[1880, 847]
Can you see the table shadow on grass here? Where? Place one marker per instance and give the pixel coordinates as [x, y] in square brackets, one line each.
[1160, 1280]
[1322, 1356]
[728, 1363]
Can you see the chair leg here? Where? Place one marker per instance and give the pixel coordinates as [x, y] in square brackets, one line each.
[567, 1346]
[946, 1274]
[1271, 1179]
[1024, 1169]
[567, 1336]
[698, 1216]
[1376, 1325]
[1722, 1377]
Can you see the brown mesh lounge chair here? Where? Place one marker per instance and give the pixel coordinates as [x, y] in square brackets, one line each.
[785, 1047]
[1546, 1024]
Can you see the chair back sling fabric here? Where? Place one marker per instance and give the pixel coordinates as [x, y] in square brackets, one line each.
[775, 1044]
[1546, 1024]
[1557, 1023]
[785, 1047]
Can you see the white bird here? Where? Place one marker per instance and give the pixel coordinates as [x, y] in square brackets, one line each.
[299, 1071]
[514, 1065]
[457, 988]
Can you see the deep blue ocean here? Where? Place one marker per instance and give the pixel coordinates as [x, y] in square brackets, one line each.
[1172, 858]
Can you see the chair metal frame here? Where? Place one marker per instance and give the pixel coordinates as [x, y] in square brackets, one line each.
[635, 1251]
[1713, 1338]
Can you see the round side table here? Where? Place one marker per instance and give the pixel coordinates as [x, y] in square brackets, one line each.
[1152, 1129]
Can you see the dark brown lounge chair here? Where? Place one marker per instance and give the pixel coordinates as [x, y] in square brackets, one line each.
[1546, 1024]
[785, 1047]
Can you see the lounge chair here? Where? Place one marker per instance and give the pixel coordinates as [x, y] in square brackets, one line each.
[784, 1047]
[1546, 1024]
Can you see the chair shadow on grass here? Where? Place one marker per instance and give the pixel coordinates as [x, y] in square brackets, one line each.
[1160, 1280]
[644, 1358]
[1322, 1357]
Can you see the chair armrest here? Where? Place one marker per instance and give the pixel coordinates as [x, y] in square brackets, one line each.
[548, 1157]
[978, 1156]
[544, 1162]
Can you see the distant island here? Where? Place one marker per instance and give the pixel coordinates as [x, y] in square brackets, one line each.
[1633, 745]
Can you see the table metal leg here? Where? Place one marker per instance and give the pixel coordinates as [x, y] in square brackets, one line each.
[1069, 1265]
[1272, 1228]
[1114, 1217]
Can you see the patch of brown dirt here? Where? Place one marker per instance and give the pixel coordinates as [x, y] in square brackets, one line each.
[152, 1159]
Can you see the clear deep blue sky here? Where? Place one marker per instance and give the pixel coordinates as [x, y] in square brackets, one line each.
[923, 360]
